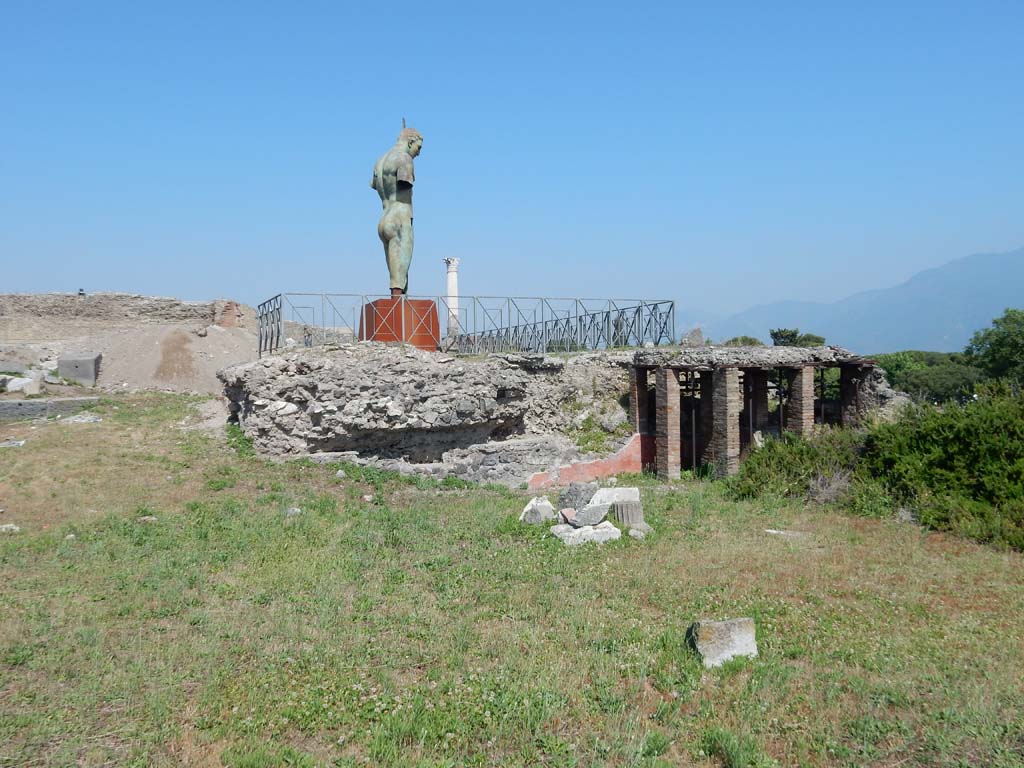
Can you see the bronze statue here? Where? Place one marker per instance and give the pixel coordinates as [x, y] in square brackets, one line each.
[393, 178]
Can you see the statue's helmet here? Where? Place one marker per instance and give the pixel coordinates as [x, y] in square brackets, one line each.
[409, 135]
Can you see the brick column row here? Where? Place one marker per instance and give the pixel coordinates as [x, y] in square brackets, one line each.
[668, 440]
[850, 383]
[638, 400]
[726, 403]
[759, 387]
[706, 419]
[800, 406]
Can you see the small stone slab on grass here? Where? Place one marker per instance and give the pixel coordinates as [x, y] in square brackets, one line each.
[719, 641]
[598, 534]
[538, 510]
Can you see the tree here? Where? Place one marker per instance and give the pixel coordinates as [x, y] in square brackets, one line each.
[999, 350]
[810, 340]
[785, 337]
[942, 382]
[791, 337]
[743, 341]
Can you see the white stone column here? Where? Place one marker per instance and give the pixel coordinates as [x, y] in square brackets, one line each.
[452, 297]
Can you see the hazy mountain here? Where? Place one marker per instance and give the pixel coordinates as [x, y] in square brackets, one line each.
[937, 309]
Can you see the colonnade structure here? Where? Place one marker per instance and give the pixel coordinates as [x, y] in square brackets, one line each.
[706, 405]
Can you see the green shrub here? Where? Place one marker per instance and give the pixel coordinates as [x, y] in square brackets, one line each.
[869, 497]
[789, 466]
[960, 467]
[972, 451]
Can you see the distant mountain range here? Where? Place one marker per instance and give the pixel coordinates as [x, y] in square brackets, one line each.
[936, 310]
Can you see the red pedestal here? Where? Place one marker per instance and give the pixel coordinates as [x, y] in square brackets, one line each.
[413, 321]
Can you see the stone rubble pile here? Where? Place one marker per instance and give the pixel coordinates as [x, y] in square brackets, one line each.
[585, 522]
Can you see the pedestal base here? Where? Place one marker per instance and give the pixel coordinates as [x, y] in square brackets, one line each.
[413, 321]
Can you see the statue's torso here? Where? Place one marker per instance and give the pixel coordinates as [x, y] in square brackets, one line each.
[393, 178]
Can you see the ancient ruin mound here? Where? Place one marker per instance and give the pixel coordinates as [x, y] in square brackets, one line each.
[147, 342]
[499, 418]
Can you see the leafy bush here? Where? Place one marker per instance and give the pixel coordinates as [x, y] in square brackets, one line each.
[961, 466]
[789, 467]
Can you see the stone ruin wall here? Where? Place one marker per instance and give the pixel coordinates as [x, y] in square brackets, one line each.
[495, 419]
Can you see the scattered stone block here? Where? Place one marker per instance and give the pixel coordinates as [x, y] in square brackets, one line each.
[785, 534]
[147, 519]
[566, 515]
[598, 534]
[368, 498]
[640, 533]
[12, 444]
[9, 528]
[83, 369]
[83, 418]
[340, 474]
[719, 641]
[599, 506]
[576, 495]
[538, 510]
[293, 512]
[628, 513]
[19, 384]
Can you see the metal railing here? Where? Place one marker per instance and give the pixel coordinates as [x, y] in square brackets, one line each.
[469, 324]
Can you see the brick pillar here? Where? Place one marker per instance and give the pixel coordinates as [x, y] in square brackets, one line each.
[759, 382]
[705, 452]
[727, 403]
[850, 380]
[638, 400]
[668, 460]
[800, 406]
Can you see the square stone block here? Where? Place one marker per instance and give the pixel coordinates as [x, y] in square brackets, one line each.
[82, 369]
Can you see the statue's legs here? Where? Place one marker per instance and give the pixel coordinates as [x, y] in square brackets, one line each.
[395, 232]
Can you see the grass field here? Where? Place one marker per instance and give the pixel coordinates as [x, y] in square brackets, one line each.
[427, 627]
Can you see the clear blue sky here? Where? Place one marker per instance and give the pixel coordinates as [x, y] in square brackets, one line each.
[719, 156]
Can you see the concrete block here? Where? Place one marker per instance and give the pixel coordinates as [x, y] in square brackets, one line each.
[82, 368]
[719, 641]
